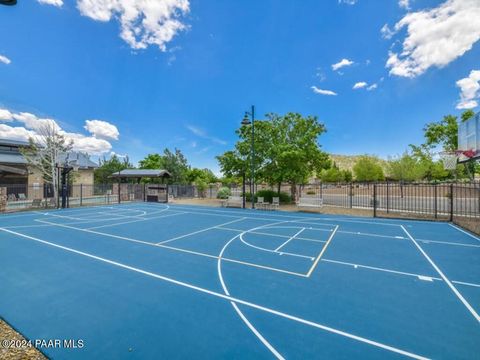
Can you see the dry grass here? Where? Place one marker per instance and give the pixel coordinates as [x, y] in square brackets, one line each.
[16, 353]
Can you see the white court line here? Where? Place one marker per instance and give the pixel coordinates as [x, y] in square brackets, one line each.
[447, 243]
[176, 249]
[272, 251]
[239, 312]
[199, 231]
[226, 297]
[466, 283]
[465, 232]
[442, 275]
[373, 235]
[290, 239]
[273, 235]
[287, 216]
[322, 252]
[132, 221]
[378, 269]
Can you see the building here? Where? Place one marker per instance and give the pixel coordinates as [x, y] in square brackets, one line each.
[19, 178]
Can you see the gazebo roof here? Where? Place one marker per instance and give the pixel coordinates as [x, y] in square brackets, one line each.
[139, 173]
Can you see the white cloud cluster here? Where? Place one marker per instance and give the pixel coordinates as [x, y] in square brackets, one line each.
[316, 90]
[102, 129]
[364, 85]
[341, 63]
[348, 2]
[359, 85]
[203, 134]
[404, 4]
[435, 37]
[31, 125]
[5, 59]
[58, 3]
[470, 90]
[142, 22]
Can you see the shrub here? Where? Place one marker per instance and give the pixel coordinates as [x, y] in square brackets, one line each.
[223, 193]
[311, 192]
[268, 195]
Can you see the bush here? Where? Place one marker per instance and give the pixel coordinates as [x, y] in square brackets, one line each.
[268, 195]
[311, 192]
[223, 193]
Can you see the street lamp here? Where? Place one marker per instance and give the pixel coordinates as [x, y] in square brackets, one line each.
[245, 122]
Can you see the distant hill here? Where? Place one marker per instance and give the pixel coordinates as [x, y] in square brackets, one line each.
[346, 162]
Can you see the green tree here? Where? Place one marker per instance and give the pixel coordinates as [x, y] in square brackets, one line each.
[407, 168]
[107, 167]
[332, 175]
[174, 162]
[206, 175]
[368, 168]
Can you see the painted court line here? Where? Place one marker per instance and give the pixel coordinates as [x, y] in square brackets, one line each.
[447, 243]
[237, 309]
[322, 252]
[290, 239]
[176, 249]
[225, 297]
[442, 275]
[132, 221]
[199, 231]
[465, 232]
[273, 235]
[378, 269]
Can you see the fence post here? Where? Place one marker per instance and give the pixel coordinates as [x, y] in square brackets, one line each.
[351, 195]
[81, 194]
[374, 200]
[118, 191]
[451, 202]
[435, 194]
[388, 196]
[144, 192]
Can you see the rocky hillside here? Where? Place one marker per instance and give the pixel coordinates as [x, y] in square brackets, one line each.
[346, 162]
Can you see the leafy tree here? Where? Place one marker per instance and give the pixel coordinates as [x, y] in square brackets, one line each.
[107, 167]
[332, 175]
[368, 168]
[204, 174]
[347, 175]
[174, 162]
[407, 168]
[44, 150]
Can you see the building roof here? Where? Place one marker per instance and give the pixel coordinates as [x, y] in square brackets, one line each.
[79, 159]
[12, 158]
[139, 173]
[13, 142]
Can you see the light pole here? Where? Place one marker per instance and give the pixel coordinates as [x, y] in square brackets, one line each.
[246, 121]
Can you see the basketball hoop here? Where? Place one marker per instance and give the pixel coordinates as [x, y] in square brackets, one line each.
[449, 160]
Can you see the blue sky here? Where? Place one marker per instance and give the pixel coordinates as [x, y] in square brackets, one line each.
[179, 73]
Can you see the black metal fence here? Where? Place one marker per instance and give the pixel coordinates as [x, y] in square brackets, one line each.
[23, 197]
[441, 201]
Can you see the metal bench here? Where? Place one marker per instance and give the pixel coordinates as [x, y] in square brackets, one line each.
[311, 202]
[236, 201]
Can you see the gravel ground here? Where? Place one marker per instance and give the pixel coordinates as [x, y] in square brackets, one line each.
[10, 337]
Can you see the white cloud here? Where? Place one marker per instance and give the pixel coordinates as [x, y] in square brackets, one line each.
[142, 22]
[348, 2]
[203, 134]
[323, 92]
[470, 90]
[102, 129]
[58, 3]
[5, 115]
[435, 37]
[5, 59]
[386, 32]
[372, 87]
[32, 124]
[404, 4]
[359, 85]
[342, 63]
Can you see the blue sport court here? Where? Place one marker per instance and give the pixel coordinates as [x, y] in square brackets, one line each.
[158, 281]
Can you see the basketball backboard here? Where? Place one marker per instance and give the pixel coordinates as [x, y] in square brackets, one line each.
[469, 137]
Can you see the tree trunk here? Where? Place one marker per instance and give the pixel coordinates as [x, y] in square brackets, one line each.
[293, 191]
[279, 188]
